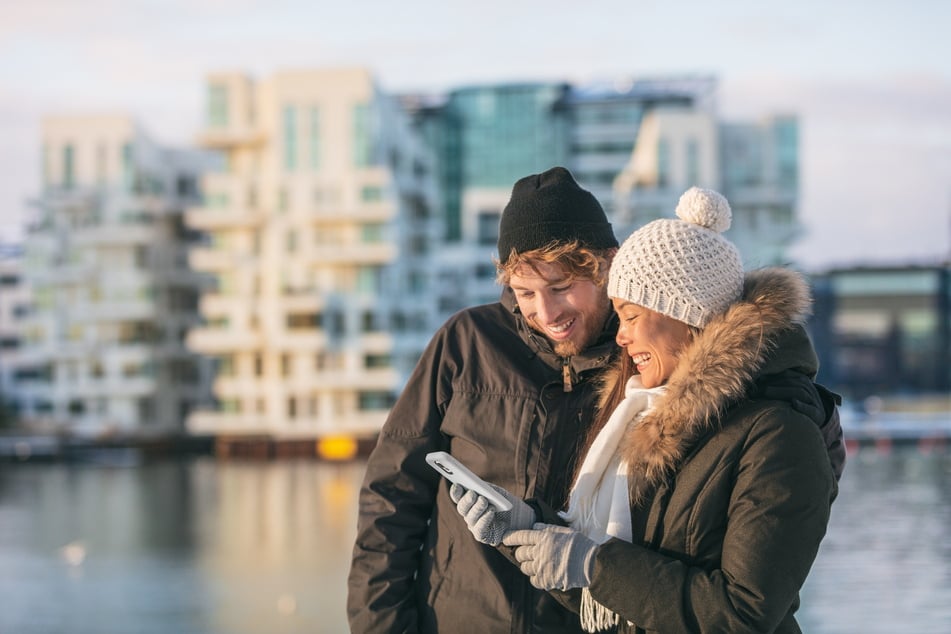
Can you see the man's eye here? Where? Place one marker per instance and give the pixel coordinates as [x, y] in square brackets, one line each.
[561, 289]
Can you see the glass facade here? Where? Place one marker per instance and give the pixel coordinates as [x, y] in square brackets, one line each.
[884, 331]
[290, 138]
[217, 113]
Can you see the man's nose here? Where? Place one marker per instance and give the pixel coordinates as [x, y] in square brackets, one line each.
[548, 308]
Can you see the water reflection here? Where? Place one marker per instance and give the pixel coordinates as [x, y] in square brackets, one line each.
[248, 547]
[885, 564]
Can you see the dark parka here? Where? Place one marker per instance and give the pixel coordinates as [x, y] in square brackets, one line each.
[493, 394]
[731, 489]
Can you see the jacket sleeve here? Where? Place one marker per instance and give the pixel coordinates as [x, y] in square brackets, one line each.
[396, 502]
[776, 517]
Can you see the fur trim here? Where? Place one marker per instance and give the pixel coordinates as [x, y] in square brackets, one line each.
[715, 370]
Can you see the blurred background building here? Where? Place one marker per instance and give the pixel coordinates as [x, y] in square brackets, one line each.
[885, 331]
[106, 261]
[318, 233]
[277, 284]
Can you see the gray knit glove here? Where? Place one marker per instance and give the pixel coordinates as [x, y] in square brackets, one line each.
[554, 557]
[484, 522]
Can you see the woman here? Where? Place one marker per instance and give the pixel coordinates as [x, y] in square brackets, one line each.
[701, 502]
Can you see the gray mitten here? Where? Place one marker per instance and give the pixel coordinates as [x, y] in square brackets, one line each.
[485, 523]
[554, 557]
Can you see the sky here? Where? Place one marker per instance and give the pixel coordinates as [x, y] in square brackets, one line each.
[869, 80]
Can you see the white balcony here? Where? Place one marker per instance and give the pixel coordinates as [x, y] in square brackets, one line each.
[223, 423]
[211, 219]
[375, 253]
[114, 234]
[231, 137]
[381, 211]
[214, 259]
[114, 310]
[220, 340]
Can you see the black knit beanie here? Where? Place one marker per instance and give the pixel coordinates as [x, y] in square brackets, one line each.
[552, 207]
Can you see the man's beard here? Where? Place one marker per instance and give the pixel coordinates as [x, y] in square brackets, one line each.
[593, 323]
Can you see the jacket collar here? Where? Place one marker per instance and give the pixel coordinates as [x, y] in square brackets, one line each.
[717, 369]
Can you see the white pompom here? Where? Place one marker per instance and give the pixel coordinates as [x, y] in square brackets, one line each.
[706, 208]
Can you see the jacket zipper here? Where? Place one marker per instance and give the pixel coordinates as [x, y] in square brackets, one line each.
[566, 373]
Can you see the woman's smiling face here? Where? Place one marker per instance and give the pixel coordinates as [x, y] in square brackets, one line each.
[652, 340]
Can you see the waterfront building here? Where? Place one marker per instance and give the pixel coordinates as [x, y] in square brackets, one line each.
[103, 351]
[884, 331]
[319, 231]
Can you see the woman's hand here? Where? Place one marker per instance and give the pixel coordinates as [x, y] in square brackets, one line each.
[554, 557]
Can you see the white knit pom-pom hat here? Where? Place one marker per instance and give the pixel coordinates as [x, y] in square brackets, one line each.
[682, 268]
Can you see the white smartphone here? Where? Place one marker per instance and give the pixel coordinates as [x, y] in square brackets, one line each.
[454, 471]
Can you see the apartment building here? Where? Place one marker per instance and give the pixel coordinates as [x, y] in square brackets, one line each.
[318, 232]
[105, 258]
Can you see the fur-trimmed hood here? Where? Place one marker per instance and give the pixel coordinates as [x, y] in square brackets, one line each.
[718, 368]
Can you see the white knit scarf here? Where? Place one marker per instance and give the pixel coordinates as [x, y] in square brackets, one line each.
[599, 505]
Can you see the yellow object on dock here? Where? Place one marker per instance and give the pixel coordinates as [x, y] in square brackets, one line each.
[337, 448]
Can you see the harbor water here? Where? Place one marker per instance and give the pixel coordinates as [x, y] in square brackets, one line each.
[239, 547]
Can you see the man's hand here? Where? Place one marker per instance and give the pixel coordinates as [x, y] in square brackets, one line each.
[486, 523]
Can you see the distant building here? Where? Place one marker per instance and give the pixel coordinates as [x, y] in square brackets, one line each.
[884, 330]
[755, 165]
[607, 119]
[319, 233]
[106, 261]
[485, 138]
[636, 144]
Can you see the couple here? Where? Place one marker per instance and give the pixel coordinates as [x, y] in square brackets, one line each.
[650, 412]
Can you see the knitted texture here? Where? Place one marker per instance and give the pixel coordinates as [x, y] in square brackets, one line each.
[681, 268]
[486, 524]
[552, 207]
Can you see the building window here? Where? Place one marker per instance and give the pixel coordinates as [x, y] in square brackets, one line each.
[369, 279]
[488, 227]
[68, 166]
[290, 138]
[217, 106]
[362, 141]
[375, 400]
[371, 194]
[371, 233]
[285, 365]
[375, 361]
[663, 163]
[368, 322]
[128, 169]
[693, 163]
[314, 140]
[304, 321]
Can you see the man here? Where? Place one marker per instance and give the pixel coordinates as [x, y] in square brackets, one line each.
[507, 388]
